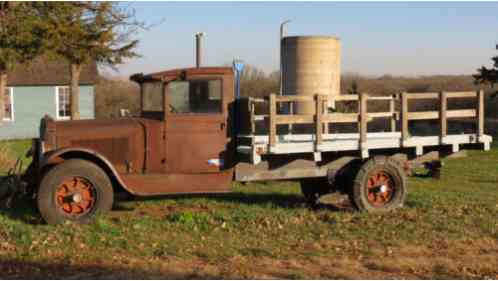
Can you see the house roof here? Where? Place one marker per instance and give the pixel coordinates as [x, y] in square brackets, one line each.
[46, 72]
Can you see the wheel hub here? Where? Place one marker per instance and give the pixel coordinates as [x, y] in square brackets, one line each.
[380, 189]
[75, 196]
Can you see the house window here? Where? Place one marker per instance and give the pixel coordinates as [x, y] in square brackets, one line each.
[9, 105]
[63, 102]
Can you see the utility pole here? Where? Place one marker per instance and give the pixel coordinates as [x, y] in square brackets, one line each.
[282, 26]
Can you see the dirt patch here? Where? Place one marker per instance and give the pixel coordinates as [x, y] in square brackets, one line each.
[465, 259]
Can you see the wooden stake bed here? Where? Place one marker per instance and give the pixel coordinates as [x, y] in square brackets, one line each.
[320, 140]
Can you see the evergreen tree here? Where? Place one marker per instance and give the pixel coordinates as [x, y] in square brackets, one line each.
[81, 32]
[488, 76]
[21, 39]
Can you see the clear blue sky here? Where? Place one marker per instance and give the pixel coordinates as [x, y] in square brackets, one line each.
[397, 38]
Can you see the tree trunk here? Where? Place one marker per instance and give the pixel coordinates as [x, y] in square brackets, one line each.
[3, 86]
[75, 91]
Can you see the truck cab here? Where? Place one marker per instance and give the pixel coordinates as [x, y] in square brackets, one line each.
[180, 143]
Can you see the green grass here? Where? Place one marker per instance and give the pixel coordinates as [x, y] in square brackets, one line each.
[16, 149]
[270, 222]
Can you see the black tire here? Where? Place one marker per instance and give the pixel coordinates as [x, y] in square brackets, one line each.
[314, 188]
[92, 175]
[379, 185]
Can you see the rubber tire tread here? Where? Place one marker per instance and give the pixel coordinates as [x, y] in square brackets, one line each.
[74, 167]
[358, 195]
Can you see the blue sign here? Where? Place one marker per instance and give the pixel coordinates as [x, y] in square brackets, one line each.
[238, 66]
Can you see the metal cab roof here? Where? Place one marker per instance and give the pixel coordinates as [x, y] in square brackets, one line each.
[179, 72]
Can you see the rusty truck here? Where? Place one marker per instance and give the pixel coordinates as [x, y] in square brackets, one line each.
[194, 136]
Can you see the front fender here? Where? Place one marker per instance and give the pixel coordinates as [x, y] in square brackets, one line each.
[58, 156]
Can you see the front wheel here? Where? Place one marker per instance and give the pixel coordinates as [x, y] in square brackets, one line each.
[75, 190]
[379, 185]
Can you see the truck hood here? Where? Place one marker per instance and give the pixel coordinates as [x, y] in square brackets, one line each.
[122, 141]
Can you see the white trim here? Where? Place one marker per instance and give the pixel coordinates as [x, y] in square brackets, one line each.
[11, 93]
[350, 142]
[57, 104]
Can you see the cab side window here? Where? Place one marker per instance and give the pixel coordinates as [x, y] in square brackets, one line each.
[195, 96]
[152, 96]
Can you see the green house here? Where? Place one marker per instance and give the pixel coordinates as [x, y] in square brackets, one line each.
[41, 88]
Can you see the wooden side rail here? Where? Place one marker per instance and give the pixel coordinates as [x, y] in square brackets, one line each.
[443, 114]
[322, 117]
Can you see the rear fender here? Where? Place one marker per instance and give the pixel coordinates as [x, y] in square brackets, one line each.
[60, 155]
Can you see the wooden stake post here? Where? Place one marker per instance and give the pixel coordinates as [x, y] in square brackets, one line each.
[363, 124]
[404, 116]
[443, 107]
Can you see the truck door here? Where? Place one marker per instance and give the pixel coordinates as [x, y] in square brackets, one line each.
[196, 131]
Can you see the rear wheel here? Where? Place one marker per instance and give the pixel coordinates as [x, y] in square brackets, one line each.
[75, 190]
[379, 185]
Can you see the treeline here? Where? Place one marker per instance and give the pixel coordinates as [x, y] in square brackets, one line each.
[256, 83]
[114, 94]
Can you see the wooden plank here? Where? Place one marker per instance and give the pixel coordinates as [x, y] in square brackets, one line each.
[325, 107]
[363, 121]
[346, 98]
[443, 123]
[416, 96]
[291, 112]
[392, 111]
[380, 98]
[294, 119]
[294, 98]
[318, 119]
[380, 114]
[273, 124]
[252, 117]
[356, 97]
[461, 113]
[480, 113]
[404, 116]
[423, 115]
[340, 118]
[461, 94]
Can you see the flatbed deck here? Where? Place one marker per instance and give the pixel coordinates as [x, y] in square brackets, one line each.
[290, 144]
[320, 141]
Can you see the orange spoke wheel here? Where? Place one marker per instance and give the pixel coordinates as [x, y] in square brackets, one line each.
[379, 185]
[75, 196]
[381, 188]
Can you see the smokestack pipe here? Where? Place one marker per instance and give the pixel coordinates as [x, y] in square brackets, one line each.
[198, 48]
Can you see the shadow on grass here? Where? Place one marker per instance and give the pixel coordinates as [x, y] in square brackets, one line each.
[20, 208]
[24, 209]
[270, 199]
[20, 269]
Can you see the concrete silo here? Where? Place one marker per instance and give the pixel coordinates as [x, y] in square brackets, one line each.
[310, 65]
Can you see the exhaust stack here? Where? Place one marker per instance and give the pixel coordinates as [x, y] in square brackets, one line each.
[198, 48]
